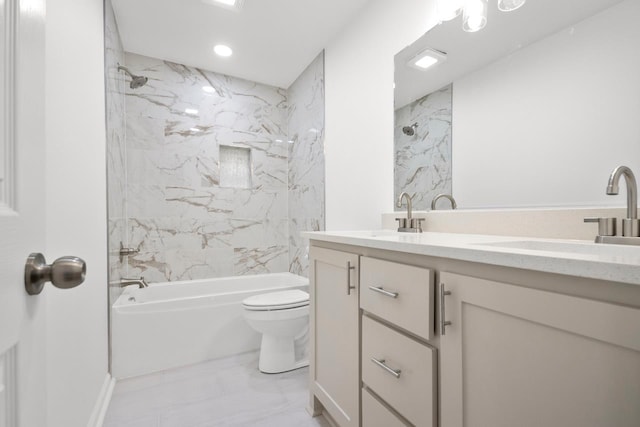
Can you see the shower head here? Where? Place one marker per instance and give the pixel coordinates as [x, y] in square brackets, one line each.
[410, 130]
[136, 81]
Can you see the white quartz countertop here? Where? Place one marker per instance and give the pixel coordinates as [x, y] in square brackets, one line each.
[581, 258]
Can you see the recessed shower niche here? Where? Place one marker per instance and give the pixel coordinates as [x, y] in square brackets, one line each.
[235, 167]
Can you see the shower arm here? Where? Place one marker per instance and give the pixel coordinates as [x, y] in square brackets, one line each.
[126, 70]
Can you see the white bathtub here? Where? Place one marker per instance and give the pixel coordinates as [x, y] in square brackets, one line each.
[178, 323]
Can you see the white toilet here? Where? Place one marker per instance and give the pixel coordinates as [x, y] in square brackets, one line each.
[283, 320]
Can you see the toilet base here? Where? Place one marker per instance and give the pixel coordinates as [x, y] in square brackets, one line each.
[277, 354]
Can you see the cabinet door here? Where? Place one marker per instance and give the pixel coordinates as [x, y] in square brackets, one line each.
[516, 356]
[334, 325]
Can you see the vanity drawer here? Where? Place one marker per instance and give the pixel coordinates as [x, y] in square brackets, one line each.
[399, 293]
[411, 391]
[374, 413]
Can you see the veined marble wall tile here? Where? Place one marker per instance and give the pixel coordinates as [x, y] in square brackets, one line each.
[184, 223]
[260, 260]
[116, 154]
[423, 161]
[174, 89]
[306, 162]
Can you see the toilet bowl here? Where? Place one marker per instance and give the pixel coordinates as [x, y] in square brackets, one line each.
[283, 320]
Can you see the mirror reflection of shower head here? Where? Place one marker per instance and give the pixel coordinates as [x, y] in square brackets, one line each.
[136, 81]
[410, 130]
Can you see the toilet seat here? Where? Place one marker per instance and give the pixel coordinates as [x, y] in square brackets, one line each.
[277, 300]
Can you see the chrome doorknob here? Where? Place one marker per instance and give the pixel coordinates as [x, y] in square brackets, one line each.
[64, 273]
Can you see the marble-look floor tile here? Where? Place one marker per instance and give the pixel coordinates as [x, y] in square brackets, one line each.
[226, 392]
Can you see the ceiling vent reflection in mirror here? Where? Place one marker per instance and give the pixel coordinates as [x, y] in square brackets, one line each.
[227, 4]
[474, 12]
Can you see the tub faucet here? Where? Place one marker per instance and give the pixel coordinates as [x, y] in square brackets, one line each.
[408, 224]
[454, 205]
[140, 282]
[630, 225]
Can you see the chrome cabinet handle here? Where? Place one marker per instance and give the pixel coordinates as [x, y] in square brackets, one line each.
[384, 292]
[64, 273]
[443, 323]
[395, 372]
[349, 268]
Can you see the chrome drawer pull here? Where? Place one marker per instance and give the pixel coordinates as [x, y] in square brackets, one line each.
[384, 292]
[394, 372]
[443, 322]
[349, 268]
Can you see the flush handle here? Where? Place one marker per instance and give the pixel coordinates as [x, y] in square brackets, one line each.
[64, 273]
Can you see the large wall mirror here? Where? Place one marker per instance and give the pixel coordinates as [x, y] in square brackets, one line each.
[534, 110]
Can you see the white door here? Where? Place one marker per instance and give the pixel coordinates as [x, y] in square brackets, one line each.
[22, 219]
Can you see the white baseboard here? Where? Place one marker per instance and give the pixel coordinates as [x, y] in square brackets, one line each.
[100, 409]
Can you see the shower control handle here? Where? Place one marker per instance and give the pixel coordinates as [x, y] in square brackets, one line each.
[64, 273]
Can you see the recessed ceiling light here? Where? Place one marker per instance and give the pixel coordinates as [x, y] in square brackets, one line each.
[191, 111]
[208, 89]
[222, 50]
[227, 4]
[427, 59]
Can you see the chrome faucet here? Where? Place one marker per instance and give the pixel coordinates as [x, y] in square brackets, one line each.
[140, 282]
[408, 224]
[630, 225]
[399, 204]
[454, 205]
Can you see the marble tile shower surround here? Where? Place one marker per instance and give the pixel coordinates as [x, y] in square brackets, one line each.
[184, 223]
[116, 159]
[306, 162]
[423, 161]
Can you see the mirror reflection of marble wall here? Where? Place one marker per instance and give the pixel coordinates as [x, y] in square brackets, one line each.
[545, 124]
[423, 160]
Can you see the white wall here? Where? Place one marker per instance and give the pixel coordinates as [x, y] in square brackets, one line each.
[547, 125]
[359, 110]
[76, 208]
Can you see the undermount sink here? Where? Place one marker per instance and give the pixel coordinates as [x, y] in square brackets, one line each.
[370, 233]
[585, 248]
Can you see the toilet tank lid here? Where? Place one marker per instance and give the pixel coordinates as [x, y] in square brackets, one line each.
[294, 296]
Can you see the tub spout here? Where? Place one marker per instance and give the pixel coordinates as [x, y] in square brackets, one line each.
[140, 282]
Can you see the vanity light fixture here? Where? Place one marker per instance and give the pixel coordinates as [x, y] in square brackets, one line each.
[474, 12]
[509, 5]
[474, 15]
[227, 4]
[427, 58]
[223, 50]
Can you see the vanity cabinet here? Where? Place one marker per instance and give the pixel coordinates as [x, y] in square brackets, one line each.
[398, 364]
[335, 320]
[518, 356]
[489, 345]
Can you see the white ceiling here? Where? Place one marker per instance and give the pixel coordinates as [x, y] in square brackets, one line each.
[272, 40]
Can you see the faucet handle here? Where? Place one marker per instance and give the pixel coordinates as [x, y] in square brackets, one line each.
[606, 226]
[402, 223]
[416, 223]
